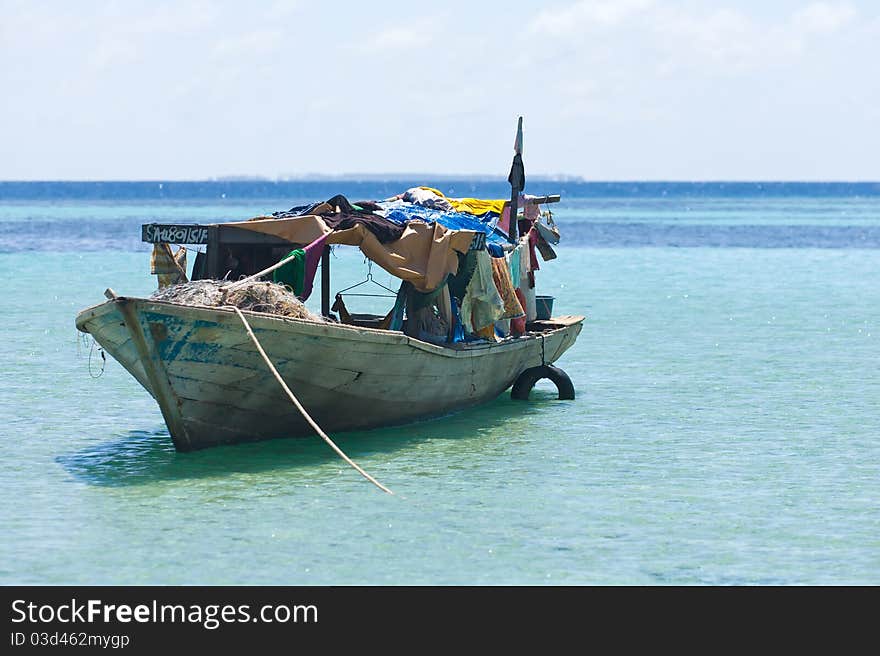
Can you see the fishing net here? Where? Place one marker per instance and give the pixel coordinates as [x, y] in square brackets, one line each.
[268, 297]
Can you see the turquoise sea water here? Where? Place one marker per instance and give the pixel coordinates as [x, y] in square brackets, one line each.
[726, 428]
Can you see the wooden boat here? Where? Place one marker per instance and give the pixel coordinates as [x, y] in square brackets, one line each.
[213, 387]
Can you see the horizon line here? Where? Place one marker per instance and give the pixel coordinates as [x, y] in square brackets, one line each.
[389, 177]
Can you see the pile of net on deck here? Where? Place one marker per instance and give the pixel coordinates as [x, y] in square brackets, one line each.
[268, 297]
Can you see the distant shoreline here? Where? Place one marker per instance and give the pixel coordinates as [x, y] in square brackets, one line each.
[437, 177]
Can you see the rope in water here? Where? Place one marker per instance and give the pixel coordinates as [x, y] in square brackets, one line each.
[299, 406]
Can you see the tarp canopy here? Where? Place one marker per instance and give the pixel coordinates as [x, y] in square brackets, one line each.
[452, 219]
[424, 255]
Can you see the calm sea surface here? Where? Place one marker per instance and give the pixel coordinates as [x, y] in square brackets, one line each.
[726, 428]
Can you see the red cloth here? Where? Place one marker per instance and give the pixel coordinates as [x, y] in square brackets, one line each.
[313, 256]
[533, 241]
[518, 326]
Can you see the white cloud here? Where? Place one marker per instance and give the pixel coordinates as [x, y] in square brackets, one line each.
[673, 36]
[723, 35]
[399, 38]
[823, 17]
[587, 14]
[257, 42]
[634, 88]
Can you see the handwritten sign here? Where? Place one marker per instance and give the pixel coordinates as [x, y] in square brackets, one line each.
[156, 233]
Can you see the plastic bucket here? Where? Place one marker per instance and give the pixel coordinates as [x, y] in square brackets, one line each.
[544, 307]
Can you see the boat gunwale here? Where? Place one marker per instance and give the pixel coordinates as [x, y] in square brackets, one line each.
[321, 328]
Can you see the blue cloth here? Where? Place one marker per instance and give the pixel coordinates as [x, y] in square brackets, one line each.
[457, 328]
[495, 250]
[399, 306]
[486, 223]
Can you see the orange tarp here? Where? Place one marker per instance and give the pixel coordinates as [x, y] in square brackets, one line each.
[424, 255]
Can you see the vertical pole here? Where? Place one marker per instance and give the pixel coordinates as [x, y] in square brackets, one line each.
[213, 253]
[513, 226]
[325, 282]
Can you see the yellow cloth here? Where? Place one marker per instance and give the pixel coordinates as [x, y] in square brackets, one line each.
[474, 206]
[487, 332]
[170, 268]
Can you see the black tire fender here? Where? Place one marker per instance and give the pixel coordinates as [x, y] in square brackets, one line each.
[527, 379]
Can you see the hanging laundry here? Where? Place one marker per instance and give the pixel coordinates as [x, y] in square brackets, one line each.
[495, 250]
[546, 251]
[339, 214]
[533, 242]
[426, 325]
[518, 326]
[397, 311]
[424, 255]
[487, 333]
[429, 316]
[385, 231]
[458, 281]
[482, 305]
[527, 279]
[457, 328]
[337, 204]
[549, 230]
[504, 285]
[514, 259]
[504, 221]
[444, 310]
[314, 251]
[168, 267]
[531, 211]
[517, 176]
[292, 274]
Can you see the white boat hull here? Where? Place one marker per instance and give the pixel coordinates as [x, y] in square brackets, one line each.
[214, 388]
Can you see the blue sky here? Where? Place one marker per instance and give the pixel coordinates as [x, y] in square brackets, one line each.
[609, 90]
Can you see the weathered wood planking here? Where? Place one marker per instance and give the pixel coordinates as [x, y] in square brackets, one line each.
[215, 388]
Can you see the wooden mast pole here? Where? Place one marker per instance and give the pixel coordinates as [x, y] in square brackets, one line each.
[325, 282]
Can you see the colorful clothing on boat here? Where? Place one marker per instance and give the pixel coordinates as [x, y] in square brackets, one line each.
[487, 333]
[314, 251]
[458, 281]
[293, 273]
[168, 267]
[526, 282]
[482, 305]
[518, 326]
[427, 197]
[475, 206]
[339, 214]
[504, 285]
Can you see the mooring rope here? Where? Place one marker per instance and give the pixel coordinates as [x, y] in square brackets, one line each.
[103, 359]
[299, 406]
[259, 274]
